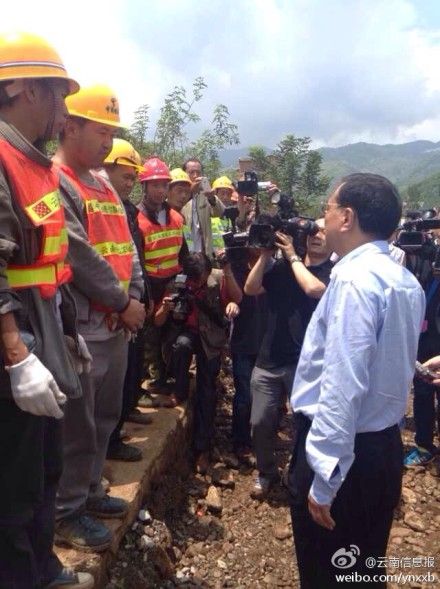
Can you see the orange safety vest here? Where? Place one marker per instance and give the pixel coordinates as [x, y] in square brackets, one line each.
[107, 226]
[162, 244]
[36, 189]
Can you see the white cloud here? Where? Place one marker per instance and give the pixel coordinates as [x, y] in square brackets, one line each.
[338, 71]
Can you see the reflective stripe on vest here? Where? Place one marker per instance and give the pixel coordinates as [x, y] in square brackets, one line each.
[43, 275]
[106, 208]
[162, 244]
[107, 227]
[35, 188]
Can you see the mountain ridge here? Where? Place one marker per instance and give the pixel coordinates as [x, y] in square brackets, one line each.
[404, 164]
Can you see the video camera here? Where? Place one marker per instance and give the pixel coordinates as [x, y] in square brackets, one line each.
[262, 232]
[262, 235]
[416, 240]
[182, 299]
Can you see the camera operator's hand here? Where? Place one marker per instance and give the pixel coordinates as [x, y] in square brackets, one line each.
[223, 260]
[133, 316]
[165, 308]
[168, 304]
[272, 189]
[284, 242]
[433, 364]
[232, 311]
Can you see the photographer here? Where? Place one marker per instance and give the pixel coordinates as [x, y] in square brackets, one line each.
[427, 393]
[418, 240]
[247, 333]
[194, 322]
[199, 210]
[293, 287]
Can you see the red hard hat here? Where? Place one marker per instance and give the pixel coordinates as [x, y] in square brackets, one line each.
[154, 169]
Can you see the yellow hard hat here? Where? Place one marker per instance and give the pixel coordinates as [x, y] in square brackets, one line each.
[25, 55]
[222, 182]
[179, 175]
[95, 103]
[123, 153]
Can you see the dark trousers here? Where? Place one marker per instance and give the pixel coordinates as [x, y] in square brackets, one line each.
[205, 402]
[426, 413]
[242, 366]
[31, 463]
[362, 509]
[182, 352]
[132, 391]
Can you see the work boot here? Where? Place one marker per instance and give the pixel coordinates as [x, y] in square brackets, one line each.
[245, 455]
[123, 452]
[83, 533]
[148, 402]
[106, 506]
[69, 579]
[136, 416]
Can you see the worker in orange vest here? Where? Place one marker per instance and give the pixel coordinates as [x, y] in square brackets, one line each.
[107, 285]
[162, 230]
[121, 168]
[36, 372]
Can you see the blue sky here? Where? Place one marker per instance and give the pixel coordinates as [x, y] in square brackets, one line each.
[338, 71]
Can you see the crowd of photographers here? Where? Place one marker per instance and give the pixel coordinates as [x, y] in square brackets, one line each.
[97, 293]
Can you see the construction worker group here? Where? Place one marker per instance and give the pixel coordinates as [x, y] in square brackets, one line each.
[83, 272]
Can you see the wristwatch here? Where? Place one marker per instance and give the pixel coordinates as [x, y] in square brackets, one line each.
[294, 259]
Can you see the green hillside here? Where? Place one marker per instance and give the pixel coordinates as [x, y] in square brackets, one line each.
[414, 167]
[424, 194]
[404, 164]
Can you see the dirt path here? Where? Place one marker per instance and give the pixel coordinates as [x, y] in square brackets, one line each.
[207, 531]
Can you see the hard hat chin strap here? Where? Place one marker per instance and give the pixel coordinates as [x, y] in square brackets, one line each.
[49, 131]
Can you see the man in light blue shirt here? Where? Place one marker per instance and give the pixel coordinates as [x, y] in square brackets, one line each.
[351, 387]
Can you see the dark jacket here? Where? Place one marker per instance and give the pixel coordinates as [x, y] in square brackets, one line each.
[132, 213]
[20, 244]
[213, 337]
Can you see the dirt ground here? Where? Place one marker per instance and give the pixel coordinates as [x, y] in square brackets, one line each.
[207, 532]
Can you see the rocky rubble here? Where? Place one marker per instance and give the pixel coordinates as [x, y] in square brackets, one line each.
[206, 531]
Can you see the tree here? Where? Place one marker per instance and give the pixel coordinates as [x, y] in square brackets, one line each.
[221, 134]
[139, 128]
[296, 169]
[170, 137]
[262, 161]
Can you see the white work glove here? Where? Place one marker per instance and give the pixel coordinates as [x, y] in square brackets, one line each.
[34, 388]
[81, 357]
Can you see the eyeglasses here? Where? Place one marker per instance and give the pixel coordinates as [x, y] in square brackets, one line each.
[326, 206]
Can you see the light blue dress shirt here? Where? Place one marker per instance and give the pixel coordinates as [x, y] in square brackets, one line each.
[357, 360]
